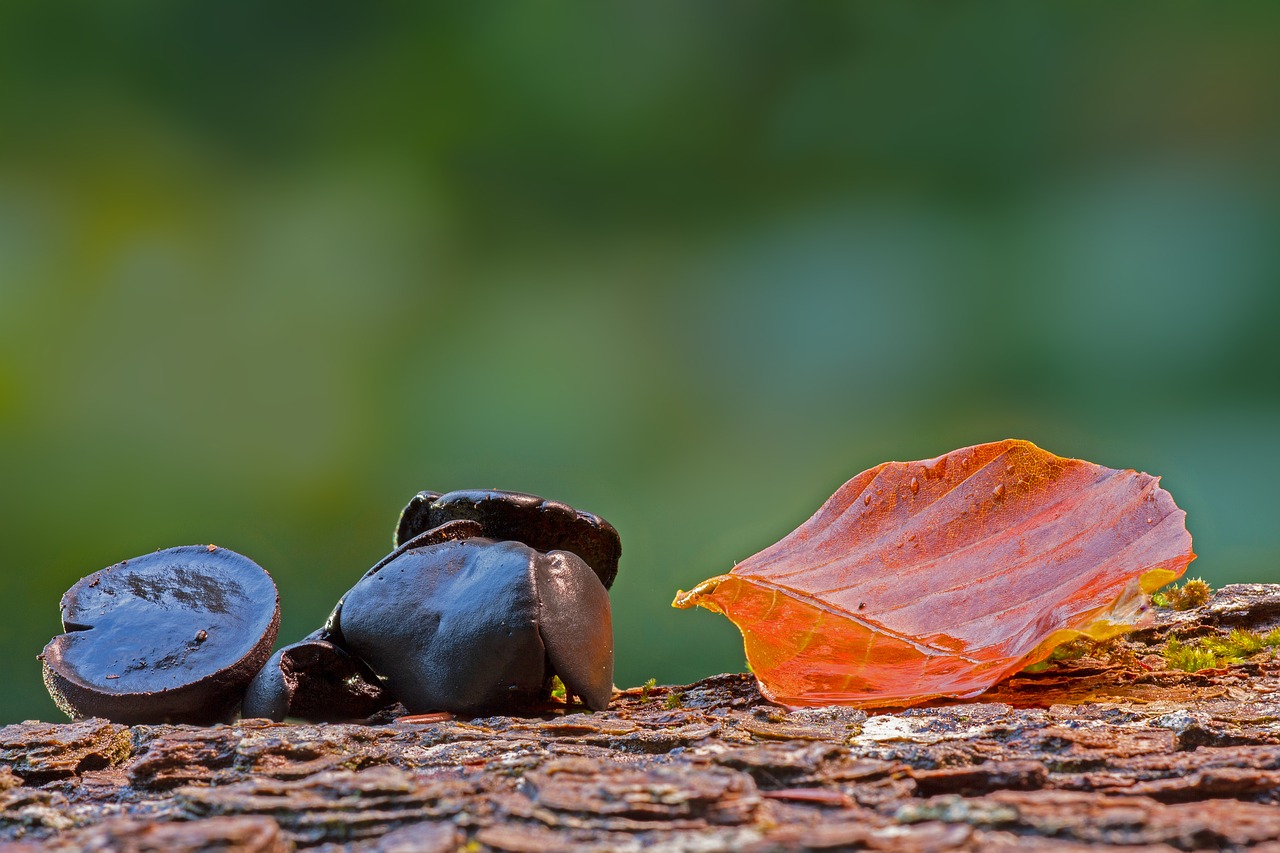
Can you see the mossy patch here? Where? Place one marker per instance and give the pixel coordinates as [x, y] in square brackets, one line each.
[1193, 593]
[1218, 652]
[1110, 651]
[1190, 657]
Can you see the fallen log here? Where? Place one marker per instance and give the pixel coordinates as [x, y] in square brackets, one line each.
[1114, 748]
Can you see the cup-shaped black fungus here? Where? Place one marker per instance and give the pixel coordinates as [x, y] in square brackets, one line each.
[169, 637]
[542, 524]
[476, 625]
[450, 531]
[576, 626]
[315, 680]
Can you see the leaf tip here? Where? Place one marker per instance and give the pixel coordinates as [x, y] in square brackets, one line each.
[698, 595]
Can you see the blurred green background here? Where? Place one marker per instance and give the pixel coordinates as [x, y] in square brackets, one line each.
[268, 269]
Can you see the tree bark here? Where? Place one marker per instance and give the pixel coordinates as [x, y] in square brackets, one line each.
[1109, 750]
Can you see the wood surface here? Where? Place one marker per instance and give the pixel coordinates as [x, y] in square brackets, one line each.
[1110, 751]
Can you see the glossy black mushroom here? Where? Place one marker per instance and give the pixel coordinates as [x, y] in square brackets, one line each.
[470, 623]
[542, 524]
[174, 636]
[315, 680]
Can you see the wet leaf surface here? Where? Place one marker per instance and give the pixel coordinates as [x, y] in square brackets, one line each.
[942, 577]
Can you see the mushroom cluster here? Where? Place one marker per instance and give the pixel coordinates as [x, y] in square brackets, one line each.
[487, 598]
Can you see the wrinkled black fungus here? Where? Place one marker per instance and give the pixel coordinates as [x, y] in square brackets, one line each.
[174, 636]
[315, 680]
[449, 532]
[543, 525]
[487, 597]
[477, 625]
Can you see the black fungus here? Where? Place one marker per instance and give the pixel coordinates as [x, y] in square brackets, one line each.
[488, 596]
[543, 525]
[170, 637]
[315, 680]
[477, 625]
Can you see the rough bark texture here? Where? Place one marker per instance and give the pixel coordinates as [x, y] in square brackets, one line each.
[1113, 750]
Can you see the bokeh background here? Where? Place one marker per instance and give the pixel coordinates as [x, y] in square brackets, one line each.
[268, 269]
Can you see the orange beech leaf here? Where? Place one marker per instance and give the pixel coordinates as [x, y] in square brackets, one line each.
[939, 578]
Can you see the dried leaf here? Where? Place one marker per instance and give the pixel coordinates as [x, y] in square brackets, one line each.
[940, 578]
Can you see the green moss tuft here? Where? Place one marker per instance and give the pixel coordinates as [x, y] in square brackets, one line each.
[1077, 649]
[1218, 652]
[1189, 658]
[1107, 650]
[1242, 644]
[675, 699]
[1193, 593]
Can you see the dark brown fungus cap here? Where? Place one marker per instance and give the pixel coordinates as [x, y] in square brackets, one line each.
[315, 680]
[451, 531]
[543, 525]
[475, 626]
[169, 637]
